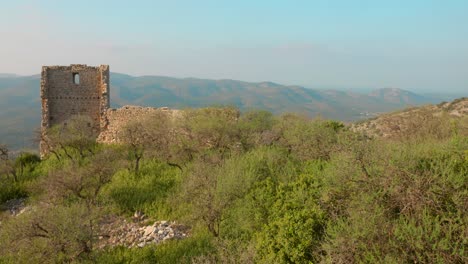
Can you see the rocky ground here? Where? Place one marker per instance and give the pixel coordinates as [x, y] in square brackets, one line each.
[403, 122]
[120, 232]
[14, 206]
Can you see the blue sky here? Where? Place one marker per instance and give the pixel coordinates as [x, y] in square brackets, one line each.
[415, 45]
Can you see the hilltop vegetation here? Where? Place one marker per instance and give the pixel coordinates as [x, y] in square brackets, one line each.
[20, 102]
[412, 122]
[253, 187]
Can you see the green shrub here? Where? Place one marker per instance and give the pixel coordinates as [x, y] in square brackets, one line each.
[12, 190]
[148, 191]
[295, 228]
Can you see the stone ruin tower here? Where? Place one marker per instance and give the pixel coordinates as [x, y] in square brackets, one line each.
[72, 90]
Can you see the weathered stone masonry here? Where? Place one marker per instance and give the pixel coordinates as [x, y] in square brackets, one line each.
[74, 90]
[118, 118]
[78, 89]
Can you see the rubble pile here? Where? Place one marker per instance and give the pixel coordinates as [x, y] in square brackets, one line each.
[131, 234]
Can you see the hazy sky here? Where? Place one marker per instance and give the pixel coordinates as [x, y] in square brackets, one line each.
[410, 44]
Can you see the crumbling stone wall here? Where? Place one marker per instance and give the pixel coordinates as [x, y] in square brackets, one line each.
[63, 96]
[116, 119]
[72, 90]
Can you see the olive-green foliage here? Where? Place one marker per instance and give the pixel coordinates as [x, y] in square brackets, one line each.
[255, 128]
[207, 129]
[11, 190]
[61, 226]
[307, 139]
[25, 163]
[16, 175]
[50, 235]
[147, 137]
[72, 139]
[254, 188]
[404, 203]
[83, 180]
[178, 251]
[296, 226]
[212, 189]
[148, 191]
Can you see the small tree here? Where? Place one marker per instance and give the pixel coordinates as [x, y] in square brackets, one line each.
[25, 162]
[6, 166]
[82, 182]
[307, 139]
[207, 130]
[59, 234]
[3, 152]
[200, 191]
[75, 138]
[135, 135]
[80, 135]
[256, 129]
[161, 135]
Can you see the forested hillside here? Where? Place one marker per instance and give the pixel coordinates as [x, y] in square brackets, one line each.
[248, 187]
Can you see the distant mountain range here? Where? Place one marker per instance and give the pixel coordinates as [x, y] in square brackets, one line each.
[20, 102]
[277, 98]
[7, 75]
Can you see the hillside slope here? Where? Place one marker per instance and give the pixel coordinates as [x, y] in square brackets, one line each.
[412, 120]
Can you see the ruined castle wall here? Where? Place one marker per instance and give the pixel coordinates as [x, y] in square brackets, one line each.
[72, 90]
[117, 119]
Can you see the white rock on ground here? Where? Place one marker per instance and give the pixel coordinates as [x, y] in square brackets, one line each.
[118, 232]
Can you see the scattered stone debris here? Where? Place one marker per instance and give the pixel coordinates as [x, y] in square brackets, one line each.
[14, 206]
[120, 232]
